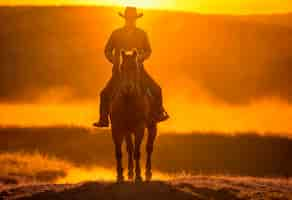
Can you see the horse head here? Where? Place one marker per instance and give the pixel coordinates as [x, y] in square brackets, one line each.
[130, 72]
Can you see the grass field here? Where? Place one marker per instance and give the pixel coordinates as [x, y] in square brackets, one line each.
[198, 153]
[16, 168]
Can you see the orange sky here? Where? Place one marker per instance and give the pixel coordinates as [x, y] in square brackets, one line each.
[205, 6]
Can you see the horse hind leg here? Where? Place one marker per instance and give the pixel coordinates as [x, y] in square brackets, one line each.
[152, 132]
[130, 149]
[137, 153]
[118, 140]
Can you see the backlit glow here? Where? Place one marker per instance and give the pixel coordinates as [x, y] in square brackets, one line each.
[203, 6]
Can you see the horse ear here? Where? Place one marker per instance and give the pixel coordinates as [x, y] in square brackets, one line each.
[123, 53]
[135, 53]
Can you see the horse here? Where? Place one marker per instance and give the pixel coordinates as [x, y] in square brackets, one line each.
[130, 117]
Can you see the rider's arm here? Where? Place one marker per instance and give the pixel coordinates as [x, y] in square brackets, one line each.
[146, 49]
[108, 51]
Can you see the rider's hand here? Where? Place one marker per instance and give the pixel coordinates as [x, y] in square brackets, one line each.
[116, 61]
[140, 58]
[115, 69]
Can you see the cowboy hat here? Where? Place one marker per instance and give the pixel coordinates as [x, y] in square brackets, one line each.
[131, 12]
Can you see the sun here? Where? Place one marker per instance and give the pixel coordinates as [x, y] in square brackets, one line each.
[141, 3]
[157, 4]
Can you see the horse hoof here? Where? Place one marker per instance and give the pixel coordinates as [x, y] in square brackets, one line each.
[120, 179]
[148, 176]
[131, 176]
[138, 179]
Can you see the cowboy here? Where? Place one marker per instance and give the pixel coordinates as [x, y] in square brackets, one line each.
[127, 38]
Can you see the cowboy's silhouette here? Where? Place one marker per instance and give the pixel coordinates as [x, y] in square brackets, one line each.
[127, 38]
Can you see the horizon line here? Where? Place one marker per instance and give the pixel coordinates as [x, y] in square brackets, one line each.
[149, 9]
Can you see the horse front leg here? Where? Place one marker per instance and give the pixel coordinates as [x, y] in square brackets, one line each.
[130, 149]
[137, 154]
[152, 132]
[118, 140]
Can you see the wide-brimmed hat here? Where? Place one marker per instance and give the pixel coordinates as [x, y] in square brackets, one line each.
[131, 12]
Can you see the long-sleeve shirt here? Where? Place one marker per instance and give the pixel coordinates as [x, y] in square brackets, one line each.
[127, 39]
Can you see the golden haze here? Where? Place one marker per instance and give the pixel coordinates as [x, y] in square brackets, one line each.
[187, 116]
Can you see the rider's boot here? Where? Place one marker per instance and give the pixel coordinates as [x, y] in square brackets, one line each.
[103, 122]
[104, 119]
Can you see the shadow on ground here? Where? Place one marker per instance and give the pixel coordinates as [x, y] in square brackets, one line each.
[128, 191]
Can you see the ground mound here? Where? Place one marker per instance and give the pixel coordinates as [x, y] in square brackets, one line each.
[197, 188]
[127, 191]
